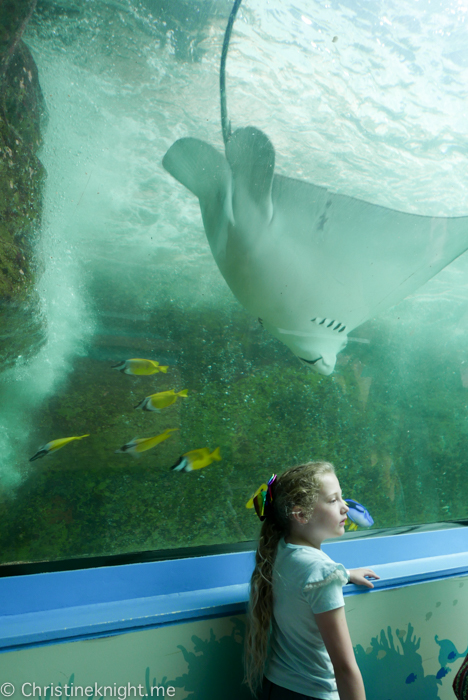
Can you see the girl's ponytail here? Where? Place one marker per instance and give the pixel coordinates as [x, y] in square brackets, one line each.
[261, 604]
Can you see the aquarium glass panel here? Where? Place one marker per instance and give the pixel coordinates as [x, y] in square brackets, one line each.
[201, 287]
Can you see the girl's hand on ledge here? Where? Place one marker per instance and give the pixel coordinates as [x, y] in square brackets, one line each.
[361, 577]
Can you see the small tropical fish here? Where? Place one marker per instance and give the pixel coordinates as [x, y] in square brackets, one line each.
[411, 678]
[54, 445]
[164, 398]
[138, 445]
[250, 502]
[139, 367]
[358, 514]
[196, 459]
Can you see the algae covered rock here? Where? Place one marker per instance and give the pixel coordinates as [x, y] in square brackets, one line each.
[21, 179]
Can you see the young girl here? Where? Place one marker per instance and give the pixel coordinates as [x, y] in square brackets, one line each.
[296, 612]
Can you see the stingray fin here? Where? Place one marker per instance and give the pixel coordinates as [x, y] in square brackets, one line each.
[198, 166]
[205, 172]
[251, 156]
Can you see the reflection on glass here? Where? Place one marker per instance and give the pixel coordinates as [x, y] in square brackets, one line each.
[142, 403]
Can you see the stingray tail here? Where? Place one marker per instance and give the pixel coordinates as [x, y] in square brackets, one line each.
[225, 123]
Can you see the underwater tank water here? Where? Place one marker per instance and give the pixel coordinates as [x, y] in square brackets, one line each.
[366, 99]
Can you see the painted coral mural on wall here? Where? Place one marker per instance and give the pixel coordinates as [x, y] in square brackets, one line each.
[391, 670]
[215, 668]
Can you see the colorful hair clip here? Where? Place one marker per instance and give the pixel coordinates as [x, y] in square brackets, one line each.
[262, 498]
[250, 502]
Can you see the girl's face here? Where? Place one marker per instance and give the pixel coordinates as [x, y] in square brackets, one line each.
[329, 515]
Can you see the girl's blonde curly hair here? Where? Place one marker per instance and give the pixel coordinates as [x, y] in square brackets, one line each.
[297, 486]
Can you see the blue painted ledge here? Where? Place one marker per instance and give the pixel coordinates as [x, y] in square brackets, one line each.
[70, 605]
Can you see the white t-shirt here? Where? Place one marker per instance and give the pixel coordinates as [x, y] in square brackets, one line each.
[305, 581]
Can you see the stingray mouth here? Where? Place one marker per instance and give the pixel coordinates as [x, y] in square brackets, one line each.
[311, 362]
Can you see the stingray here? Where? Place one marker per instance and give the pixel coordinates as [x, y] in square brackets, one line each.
[310, 264]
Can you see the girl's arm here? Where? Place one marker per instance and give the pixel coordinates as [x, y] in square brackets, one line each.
[335, 634]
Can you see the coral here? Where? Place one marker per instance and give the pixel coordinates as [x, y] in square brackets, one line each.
[389, 672]
[215, 667]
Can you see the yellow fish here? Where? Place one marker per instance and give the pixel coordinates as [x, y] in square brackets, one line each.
[196, 459]
[164, 398]
[139, 367]
[54, 445]
[138, 445]
[250, 502]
